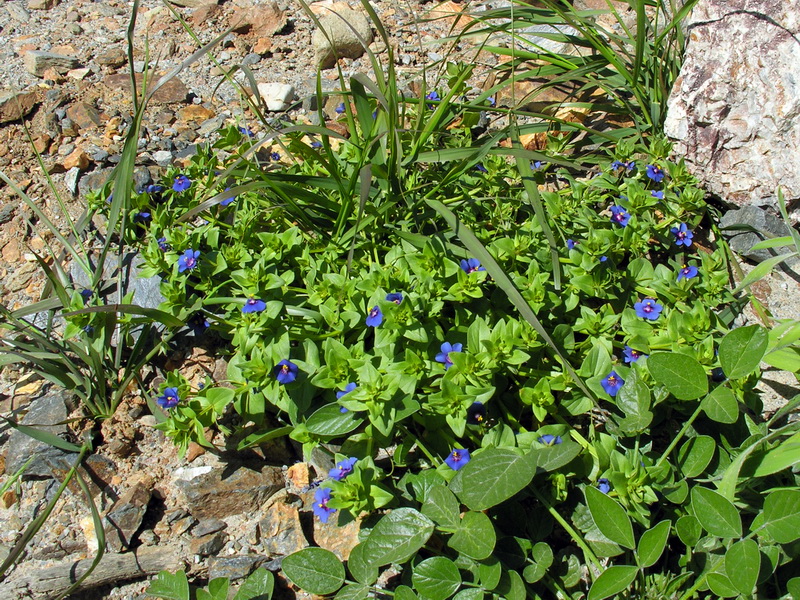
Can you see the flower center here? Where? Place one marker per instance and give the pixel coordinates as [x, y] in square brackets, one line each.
[171, 399]
[648, 308]
[190, 262]
[252, 301]
[447, 359]
[612, 380]
[456, 456]
[284, 369]
[323, 503]
[634, 354]
[374, 312]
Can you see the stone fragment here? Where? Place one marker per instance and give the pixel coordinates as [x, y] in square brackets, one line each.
[207, 526]
[77, 158]
[281, 530]
[42, 4]
[208, 544]
[262, 46]
[37, 62]
[338, 539]
[742, 241]
[46, 413]
[79, 74]
[113, 57]
[17, 12]
[261, 20]
[204, 12]
[234, 567]
[163, 158]
[347, 29]
[223, 490]
[71, 180]
[190, 3]
[52, 74]
[125, 517]
[172, 91]
[277, 96]
[16, 105]
[734, 112]
[84, 115]
[94, 180]
[195, 112]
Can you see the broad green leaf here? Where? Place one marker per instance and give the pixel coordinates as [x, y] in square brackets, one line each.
[652, 543]
[469, 594]
[782, 515]
[442, 507]
[403, 592]
[612, 581]
[695, 454]
[511, 586]
[258, 586]
[610, 518]
[315, 570]
[682, 375]
[494, 475]
[783, 456]
[742, 349]
[721, 405]
[360, 567]
[716, 514]
[169, 586]
[330, 421]
[793, 587]
[217, 590]
[356, 591]
[689, 530]
[721, 585]
[556, 456]
[633, 399]
[742, 563]
[397, 536]
[436, 578]
[475, 536]
[489, 572]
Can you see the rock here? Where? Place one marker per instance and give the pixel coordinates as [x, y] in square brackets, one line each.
[234, 567]
[172, 91]
[262, 20]
[338, 539]
[79, 74]
[281, 530]
[277, 96]
[757, 218]
[195, 112]
[208, 544]
[46, 413]
[125, 517]
[223, 490]
[207, 526]
[71, 180]
[347, 29]
[76, 159]
[113, 57]
[734, 112]
[163, 158]
[16, 105]
[204, 12]
[42, 4]
[262, 46]
[94, 180]
[190, 3]
[17, 13]
[84, 115]
[37, 62]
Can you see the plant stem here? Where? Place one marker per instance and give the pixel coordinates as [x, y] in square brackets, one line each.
[680, 435]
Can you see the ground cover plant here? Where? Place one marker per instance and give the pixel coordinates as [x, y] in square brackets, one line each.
[527, 375]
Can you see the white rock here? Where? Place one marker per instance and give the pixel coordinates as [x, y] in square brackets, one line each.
[163, 158]
[278, 96]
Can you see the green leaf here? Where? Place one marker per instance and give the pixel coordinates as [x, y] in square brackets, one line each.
[355, 591]
[761, 269]
[217, 590]
[442, 507]
[494, 475]
[721, 585]
[43, 436]
[469, 594]
[695, 454]
[489, 572]
[330, 421]
[682, 375]
[782, 456]
[360, 567]
[258, 586]
[742, 349]
[612, 581]
[782, 515]
[633, 399]
[610, 518]
[403, 592]
[716, 514]
[511, 586]
[475, 536]
[169, 586]
[315, 570]
[652, 544]
[556, 456]
[542, 555]
[721, 405]
[689, 530]
[397, 536]
[742, 563]
[793, 587]
[436, 578]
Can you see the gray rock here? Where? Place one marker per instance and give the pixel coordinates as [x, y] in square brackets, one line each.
[347, 30]
[36, 62]
[125, 517]
[96, 153]
[141, 177]
[45, 413]
[163, 158]
[146, 291]
[208, 544]
[251, 59]
[207, 526]
[17, 12]
[71, 179]
[7, 212]
[734, 112]
[234, 567]
[94, 180]
[736, 227]
[15, 105]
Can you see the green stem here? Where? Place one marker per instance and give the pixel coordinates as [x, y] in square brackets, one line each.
[571, 531]
[680, 435]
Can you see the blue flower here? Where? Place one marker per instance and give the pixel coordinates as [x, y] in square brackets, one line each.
[154, 189]
[198, 323]
[536, 165]
[628, 165]
[286, 372]
[603, 258]
[471, 265]
[347, 389]
[655, 173]
[320, 506]
[604, 485]
[619, 215]
[227, 201]
[550, 440]
[253, 306]
[246, 131]
[612, 383]
[491, 101]
[141, 217]
[683, 235]
[444, 356]
[188, 261]
[342, 469]
[375, 317]
[631, 356]
[479, 167]
[316, 144]
[433, 96]
[571, 244]
[648, 309]
[86, 293]
[163, 245]
[457, 458]
[181, 183]
[275, 156]
[169, 399]
[476, 414]
[340, 108]
[687, 273]
[657, 194]
[395, 297]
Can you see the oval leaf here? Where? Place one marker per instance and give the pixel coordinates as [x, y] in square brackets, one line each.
[716, 514]
[397, 536]
[610, 518]
[689, 530]
[742, 563]
[695, 454]
[360, 568]
[682, 375]
[782, 515]
[330, 421]
[612, 581]
[442, 507]
[721, 406]
[742, 349]
[492, 476]
[475, 536]
[652, 543]
[436, 578]
[315, 570]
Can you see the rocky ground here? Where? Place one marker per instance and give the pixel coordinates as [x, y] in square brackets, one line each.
[66, 70]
